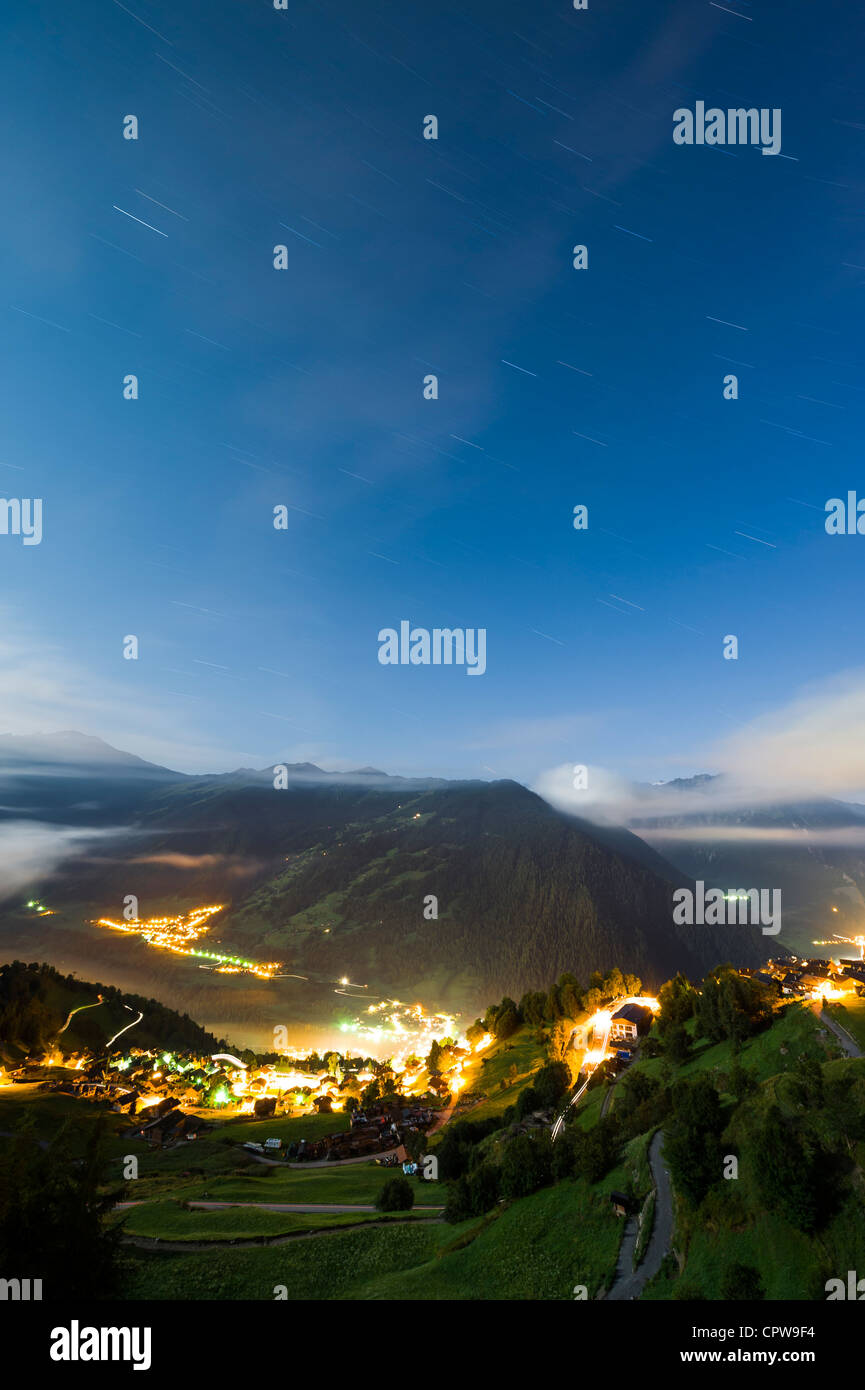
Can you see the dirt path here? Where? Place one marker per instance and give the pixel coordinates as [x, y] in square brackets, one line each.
[182, 1246]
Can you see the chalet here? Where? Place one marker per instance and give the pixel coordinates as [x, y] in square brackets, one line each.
[157, 1132]
[629, 1021]
[812, 979]
[620, 1202]
[768, 980]
[158, 1108]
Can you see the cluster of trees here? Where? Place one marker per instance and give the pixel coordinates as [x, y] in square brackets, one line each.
[526, 1165]
[643, 1102]
[35, 1000]
[565, 999]
[797, 1146]
[798, 1160]
[548, 1088]
[53, 1211]
[732, 1007]
[729, 1007]
[692, 1144]
[528, 1162]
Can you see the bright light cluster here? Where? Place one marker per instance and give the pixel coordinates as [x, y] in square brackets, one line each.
[179, 933]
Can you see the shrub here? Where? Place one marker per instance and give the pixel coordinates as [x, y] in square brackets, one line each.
[741, 1283]
[526, 1166]
[397, 1194]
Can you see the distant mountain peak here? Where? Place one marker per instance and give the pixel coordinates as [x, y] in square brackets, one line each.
[70, 747]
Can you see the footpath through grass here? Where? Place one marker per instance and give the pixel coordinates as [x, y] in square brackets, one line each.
[355, 1183]
[170, 1221]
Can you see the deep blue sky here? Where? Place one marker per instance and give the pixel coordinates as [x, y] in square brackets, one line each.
[303, 387]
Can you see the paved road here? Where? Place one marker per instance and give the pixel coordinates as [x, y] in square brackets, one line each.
[320, 1162]
[312, 1208]
[630, 1283]
[316, 1208]
[850, 1046]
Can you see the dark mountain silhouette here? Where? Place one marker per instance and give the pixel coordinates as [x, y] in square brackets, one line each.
[331, 875]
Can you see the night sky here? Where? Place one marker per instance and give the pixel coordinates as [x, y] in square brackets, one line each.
[304, 387]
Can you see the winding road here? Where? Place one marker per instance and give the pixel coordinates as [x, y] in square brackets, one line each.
[850, 1046]
[631, 1282]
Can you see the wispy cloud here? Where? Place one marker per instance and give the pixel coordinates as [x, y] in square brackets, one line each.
[810, 748]
[29, 851]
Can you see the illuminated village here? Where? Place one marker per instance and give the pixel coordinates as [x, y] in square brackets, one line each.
[815, 977]
[179, 934]
[173, 1097]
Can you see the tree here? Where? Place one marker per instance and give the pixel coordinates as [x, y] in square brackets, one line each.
[596, 1151]
[552, 1083]
[453, 1153]
[692, 1137]
[570, 995]
[560, 1036]
[614, 984]
[508, 1021]
[433, 1061]
[526, 1165]
[732, 1006]
[742, 1082]
[741, 1283]
[678, 1001]
[370, 1094]
[810, 1075]
[533, 1007]
[415, 1144]
[527, 1102]
[790, 1175]
[473, 1194]
[641, 1101]
[53, 1213]
[397, 1194]
[677, 1044]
